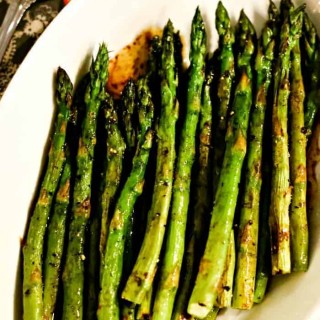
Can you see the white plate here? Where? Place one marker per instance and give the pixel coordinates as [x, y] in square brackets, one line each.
[25, 117]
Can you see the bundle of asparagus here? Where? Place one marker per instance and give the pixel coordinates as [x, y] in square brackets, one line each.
[226, 161]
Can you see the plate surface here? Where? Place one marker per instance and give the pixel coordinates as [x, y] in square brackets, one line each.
[26, 111]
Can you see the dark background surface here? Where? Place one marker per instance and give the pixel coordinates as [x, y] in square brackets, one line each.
[31, 26]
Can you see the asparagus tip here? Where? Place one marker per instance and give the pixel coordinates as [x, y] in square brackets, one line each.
[197, 19]
[245, 25]
[198, 32]
[223, 24]
[296, 18]
[169, 25]
[64, 86]
[221, 10]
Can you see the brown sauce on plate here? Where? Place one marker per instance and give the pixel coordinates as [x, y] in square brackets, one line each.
[130, 62]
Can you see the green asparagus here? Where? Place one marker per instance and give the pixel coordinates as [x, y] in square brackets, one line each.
[264, 253]
[299, 235]
[175, 242]
[33, 248]
[112, 173]
[201, 209]
[55, 243]
[184, 264]
[213, 261]
[224, 90]
[281, 189]
[73, 274]
[141, 278]
[91, 278]
[128, 122]
[312, 49]
[111, 275]
[139, 220]
[109, 184]
[249, 215]
[186, 280]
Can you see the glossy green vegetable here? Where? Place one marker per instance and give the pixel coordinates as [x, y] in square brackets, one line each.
[281, 189]
[119, 225]
[73, 274]
[213, 261]
[175, 241]
[141, 278]
[249, 216]
[33, 248]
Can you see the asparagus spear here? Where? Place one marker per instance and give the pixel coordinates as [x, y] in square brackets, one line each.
[224, 91]
[139, 219]
[139, 222]
[249, 215]
[213, 261]
[55, 243]
[226, 78]
[115, 246]
[128, 122]
[281, 190]
[186, 281]
[264, 255]
[73, 274]
[298, 212]
[112, 172]
[175, 242]
[201, 207]
[79, 110]
[33, 248]
[109, 184]
[141, 278]
[312, 47]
